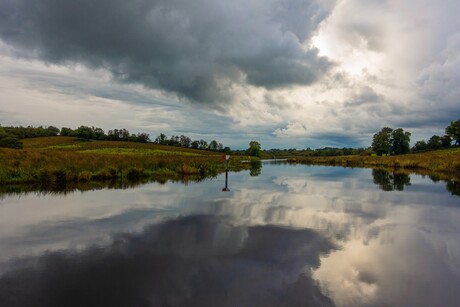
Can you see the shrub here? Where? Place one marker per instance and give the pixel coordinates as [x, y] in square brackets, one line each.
[10, 142]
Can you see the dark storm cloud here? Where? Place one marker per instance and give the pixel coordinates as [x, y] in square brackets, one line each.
[193, 261]
[196, 49]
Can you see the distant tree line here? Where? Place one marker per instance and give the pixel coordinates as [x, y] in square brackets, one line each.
[31, 132]
[319, 152]
[94, 133]
[186, 142]
[11, 136]
[387, 141]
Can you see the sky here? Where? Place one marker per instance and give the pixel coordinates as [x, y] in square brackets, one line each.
[286, 73]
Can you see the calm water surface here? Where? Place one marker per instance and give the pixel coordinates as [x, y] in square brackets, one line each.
[283, 235]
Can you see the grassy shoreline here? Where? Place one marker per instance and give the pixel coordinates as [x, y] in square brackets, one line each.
[444, 164]
[57, 160]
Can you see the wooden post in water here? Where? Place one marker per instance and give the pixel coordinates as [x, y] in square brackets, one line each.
[226, 189]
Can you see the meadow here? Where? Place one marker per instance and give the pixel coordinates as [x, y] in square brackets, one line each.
[65, 160]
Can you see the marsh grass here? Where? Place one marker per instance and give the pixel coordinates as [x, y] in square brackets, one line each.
[444, 163]
[57, 160]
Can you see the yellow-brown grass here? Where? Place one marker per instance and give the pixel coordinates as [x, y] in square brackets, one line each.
[68, 159]
[442, 162]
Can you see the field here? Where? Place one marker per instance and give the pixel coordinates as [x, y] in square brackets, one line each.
[67, 160]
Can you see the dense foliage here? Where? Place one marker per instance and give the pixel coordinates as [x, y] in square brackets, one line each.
[389, 141]
[319, 152]
[8, 140]
[453, 131]
[254, 149]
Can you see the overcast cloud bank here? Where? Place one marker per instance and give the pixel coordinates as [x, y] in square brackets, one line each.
[288, 73]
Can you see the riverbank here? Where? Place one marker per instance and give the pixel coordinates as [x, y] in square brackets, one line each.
[58, 160]
[441, 163]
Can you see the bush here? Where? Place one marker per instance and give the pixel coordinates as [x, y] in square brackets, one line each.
[10, 142]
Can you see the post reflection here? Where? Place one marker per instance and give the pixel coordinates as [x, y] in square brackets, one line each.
[226, 189]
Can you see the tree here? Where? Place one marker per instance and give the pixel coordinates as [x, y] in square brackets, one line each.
[84, 132]
[381, 142]
[174, 141]
[446, 141]
[203, 144]
[213, 145]
[185, 141]
[400, 141]
[195, 144]
[389, 141]
[52, 131]
[161, 139]
[453, 130]
[99, 134]
[66, 131]
[143, 138]
[220, 147]
[420, 146]
[254, 149]
[434, 142]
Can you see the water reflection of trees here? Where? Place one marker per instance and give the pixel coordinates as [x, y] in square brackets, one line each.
[453, 187]
[255, 168]
[64, 188]
[390, 181]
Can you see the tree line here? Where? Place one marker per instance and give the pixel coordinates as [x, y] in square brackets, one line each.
[319, 152]
[387, 141]
[390, 141]
[11, 136]
[186, 142]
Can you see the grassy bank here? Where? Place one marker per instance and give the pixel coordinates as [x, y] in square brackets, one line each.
[54, 160]
[442, 163]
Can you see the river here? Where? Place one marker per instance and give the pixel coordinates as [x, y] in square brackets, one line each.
[283, 235]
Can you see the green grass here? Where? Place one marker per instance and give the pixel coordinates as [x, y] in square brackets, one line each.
[54, 160]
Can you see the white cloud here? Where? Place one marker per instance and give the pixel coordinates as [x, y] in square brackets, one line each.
[292, 130]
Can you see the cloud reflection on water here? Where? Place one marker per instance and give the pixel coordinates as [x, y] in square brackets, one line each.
[190, 261]
[396, 248]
